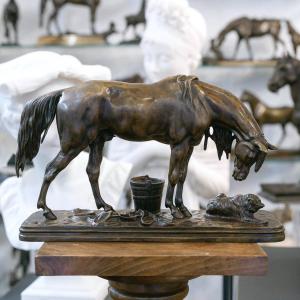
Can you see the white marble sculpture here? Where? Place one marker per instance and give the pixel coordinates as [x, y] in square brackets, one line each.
[174, 38]
[26, 78]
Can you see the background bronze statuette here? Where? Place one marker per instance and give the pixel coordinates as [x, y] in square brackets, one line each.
[247, 28]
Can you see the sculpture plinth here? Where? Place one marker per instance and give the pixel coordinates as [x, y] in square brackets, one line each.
[150, 270]
[136, 226]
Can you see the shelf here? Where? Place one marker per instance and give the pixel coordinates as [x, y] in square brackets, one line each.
[208, 62]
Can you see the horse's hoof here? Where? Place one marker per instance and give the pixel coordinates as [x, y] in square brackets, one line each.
[185, 212]
[101, 217]
[49, 215]
[108, 208]
[176, 213]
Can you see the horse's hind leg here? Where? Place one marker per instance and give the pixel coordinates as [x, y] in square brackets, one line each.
[93, 171]
[179, 189]
[52, 170]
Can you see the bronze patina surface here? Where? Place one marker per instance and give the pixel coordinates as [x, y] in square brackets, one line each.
[80, 225]
[237, 208]
[179, 111]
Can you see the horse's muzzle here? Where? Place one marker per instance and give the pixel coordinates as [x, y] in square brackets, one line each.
[239, 175]
[273, 87]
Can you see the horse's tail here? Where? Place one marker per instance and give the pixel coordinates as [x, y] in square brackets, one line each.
[36, 119]
[42, 11]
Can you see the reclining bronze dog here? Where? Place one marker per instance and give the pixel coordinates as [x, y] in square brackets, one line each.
[239, 208]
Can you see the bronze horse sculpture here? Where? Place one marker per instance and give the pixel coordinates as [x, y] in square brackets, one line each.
[58, 4]
[178, 111]
[247, 28]
[287, 72]
[265, 114]
[11, 18]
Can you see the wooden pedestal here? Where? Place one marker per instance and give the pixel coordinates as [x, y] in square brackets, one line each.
[150, 270]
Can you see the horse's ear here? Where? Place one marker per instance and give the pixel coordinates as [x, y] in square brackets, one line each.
[262, 147]
[272, 147]
[260, 160]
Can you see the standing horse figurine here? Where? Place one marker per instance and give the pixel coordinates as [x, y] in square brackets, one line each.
[247, 28]
[58, 4]
[265, 114]
[11, 18]
[295, 36]
[178, 111]
[136, 19]
[287, 72]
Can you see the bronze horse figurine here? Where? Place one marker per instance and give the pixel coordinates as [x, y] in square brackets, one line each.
[58, 4]
[11, 18]
[136, 19]
[247, 28]
[178, 111]
[295, 36]
[287, 72]
[265, 114]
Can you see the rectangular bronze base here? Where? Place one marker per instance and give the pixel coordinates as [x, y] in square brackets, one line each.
[81, 227]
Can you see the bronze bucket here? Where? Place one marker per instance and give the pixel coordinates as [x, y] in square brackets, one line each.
[147, 193]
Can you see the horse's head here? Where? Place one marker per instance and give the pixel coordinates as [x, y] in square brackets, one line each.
[246, 154]
[286, 72]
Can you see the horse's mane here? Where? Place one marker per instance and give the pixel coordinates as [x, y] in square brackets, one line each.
[185, 84]
[223, 138]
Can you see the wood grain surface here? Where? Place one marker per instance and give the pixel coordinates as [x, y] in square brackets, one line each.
[150, 259]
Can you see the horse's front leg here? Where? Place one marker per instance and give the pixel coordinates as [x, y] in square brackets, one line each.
[249, 48]
[93, 171]
[237, 47]
[178, 155]
[178, 197]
